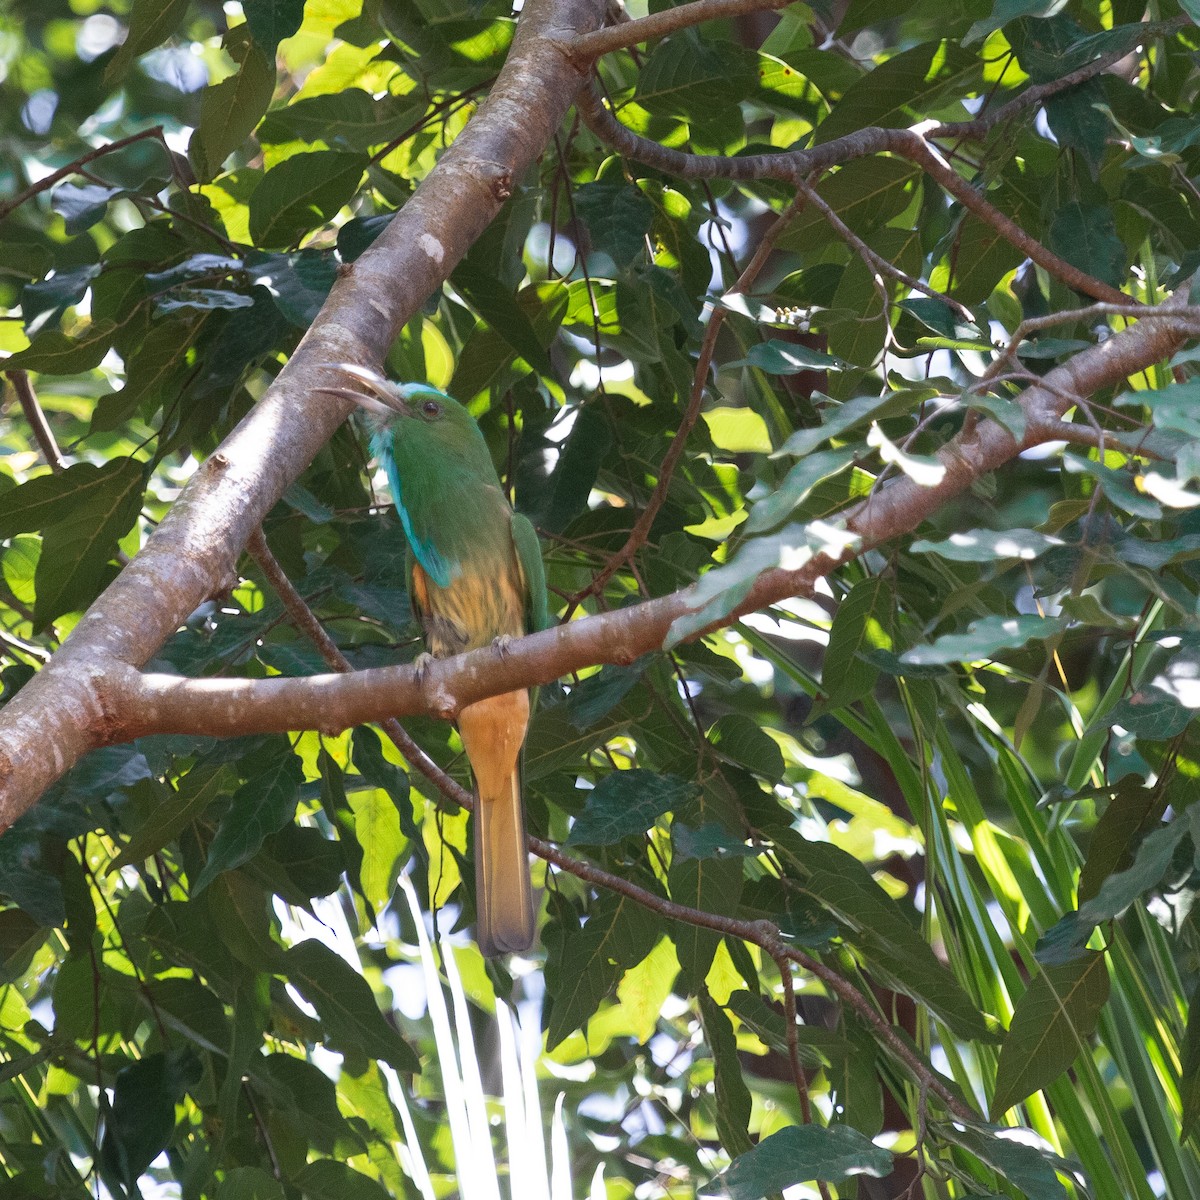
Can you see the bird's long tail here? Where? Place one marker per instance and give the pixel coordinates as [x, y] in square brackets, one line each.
[492, 732]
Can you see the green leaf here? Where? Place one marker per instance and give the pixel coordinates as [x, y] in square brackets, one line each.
[801, 1153]
[1017, 1156]
[53, 353]
[843, 417]
[196, 791]
[153, 370]
[271, 21]
[351, 118]
[261, 806]
[229, 111]
[711, 885]
[48, 499]
[1151, 713]
[742, 740]
[377, 828]
[729, 1084]
[1051, 1025]
[299, 283]
[77, 545]
[1086, 236]
[778, 357]
[151, 22]
[584, 966]
[878, 925]
[82, 205]
[858, 627]
[1189, 1071]
[618, 217]
[301, 193]
[988, 545]
[1120, 827]
[889, 94]
[627, 803]
[797, 484]
[984, 639]
[574, 475]
[249, 1183]
[1064, 941]
[328, 1179]
[346, 1005]
[141, 1120]
[1004, 11]
[497, 305]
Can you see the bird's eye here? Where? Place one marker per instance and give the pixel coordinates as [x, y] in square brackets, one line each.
[431, 408]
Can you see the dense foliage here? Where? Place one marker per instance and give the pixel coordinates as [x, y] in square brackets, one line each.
[954, 779]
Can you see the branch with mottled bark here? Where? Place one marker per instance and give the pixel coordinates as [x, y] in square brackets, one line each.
[123, 703]
[591, 46]
[63, 711]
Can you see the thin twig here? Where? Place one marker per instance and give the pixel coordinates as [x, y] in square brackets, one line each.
[72, 168]
[591, 46]
[875, 260]
[36, 418]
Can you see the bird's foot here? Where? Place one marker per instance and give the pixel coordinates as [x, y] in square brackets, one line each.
[502, 644]
[421, 664]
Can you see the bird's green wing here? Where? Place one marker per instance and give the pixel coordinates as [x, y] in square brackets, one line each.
[529, 555]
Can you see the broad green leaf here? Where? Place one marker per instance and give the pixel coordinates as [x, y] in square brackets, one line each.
[859, 625]
[797, 485]
[229, 111]
[249, 1183]
[778, 357]
[574, 475]
[984, 639]
[711, 885]
[299, 283]
[1086, 236]
[1064, 941]
[261, 806]
[301, 193]
[329, 1179]
[151, 22]
[1004, 11]
[377, 828]
[346, 1005]
[742, 740]
[888, 94]
[1051, 1026]
[141, 1120]
[196, 791]
[53, 353]
[1130, 811]
[844, 417]
[988, 545]
[271, 21]
[351, 118]
[1151, 713]
[722, 589]
[1018, 1156]
[618, 216]
[733, 1101]
[799, 1154]
[76, 547]
[157, 365]
[627, 803]
[586, 965]
[496, 305]
[51, 498]
[880, 926]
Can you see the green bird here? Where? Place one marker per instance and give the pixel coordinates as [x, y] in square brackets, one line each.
[475, 578]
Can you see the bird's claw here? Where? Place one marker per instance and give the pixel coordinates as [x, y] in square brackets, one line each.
[502, 644]
[421, 665]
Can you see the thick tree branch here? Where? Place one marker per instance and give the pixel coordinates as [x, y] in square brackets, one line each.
[586, 49]
[58, 716]
[139, 704]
